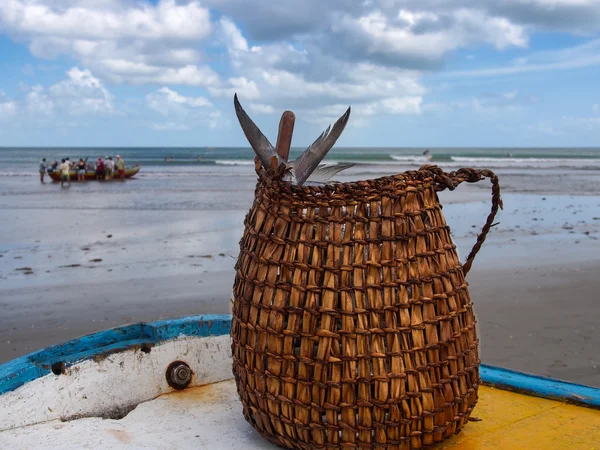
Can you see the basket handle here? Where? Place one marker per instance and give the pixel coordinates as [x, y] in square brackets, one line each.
[451, 180]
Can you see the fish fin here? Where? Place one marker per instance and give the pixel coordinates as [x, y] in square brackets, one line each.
[308, 161]
[314, 183]
[324, 173]
[258, 141]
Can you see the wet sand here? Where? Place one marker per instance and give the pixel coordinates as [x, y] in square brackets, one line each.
[539, 317]
[535, 283]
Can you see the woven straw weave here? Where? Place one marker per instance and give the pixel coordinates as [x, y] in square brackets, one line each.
[352, 322]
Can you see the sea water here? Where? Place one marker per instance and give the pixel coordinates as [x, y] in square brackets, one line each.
[224, 178]
[21, 160]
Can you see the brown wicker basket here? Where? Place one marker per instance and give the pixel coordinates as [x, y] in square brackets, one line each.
[352, 321]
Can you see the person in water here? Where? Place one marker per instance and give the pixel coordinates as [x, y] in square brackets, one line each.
[120, 167]
[81, 166]
[99, 169]
[65, 174]
[43, 169]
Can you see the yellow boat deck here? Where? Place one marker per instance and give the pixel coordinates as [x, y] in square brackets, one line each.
[516, 421]
[210, 417]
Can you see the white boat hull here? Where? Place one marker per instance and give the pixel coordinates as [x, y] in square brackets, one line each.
[114, 384]
[208, 417]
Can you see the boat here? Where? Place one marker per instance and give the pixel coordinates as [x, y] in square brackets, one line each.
[90, 175]
[169, 384]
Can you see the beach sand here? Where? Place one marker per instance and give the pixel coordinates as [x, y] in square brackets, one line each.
[535, 283]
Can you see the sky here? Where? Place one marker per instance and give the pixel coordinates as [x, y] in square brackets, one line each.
[417, 73]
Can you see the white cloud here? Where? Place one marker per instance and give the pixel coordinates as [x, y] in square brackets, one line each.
[368, 54]
[577, 16]
[491, 103]
[595, 108]
[79, 94]
[166, 101]
[403, 105]
[240, 85]
[261, 108]
[125, 42]
[82, 93]
[95, 21]
[65, 104]
[576, 57]
[280, 76]
[8, 109]
[127, 72]
[39, 104]
[321, 116]
[188, 111]
[141, 42]
[363, 84]
[232, 36]
[421, 40]
[170, 126]
[268, 21]
[146, 43]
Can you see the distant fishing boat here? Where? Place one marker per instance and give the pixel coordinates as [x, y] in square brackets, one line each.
[90, 175]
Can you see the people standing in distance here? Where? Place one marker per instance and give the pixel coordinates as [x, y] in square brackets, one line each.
[43, 169]
[81, 166]
[65, 173]
[109, 168]
[99, 169]
[120, 167]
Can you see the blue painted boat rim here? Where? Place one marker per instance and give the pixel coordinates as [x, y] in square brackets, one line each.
[539, 386]
[27, 368]
[38, 364]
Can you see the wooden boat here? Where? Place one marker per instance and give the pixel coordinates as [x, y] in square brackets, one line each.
[168, 384]
[91, 174]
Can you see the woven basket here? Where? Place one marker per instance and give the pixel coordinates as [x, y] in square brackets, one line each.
[352, 321]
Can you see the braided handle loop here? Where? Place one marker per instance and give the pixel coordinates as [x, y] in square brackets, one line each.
[451, 180]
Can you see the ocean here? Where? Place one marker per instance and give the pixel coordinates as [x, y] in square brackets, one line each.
[21, 161]
[224, 178]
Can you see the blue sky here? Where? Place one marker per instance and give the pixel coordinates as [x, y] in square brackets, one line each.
[416, 72]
